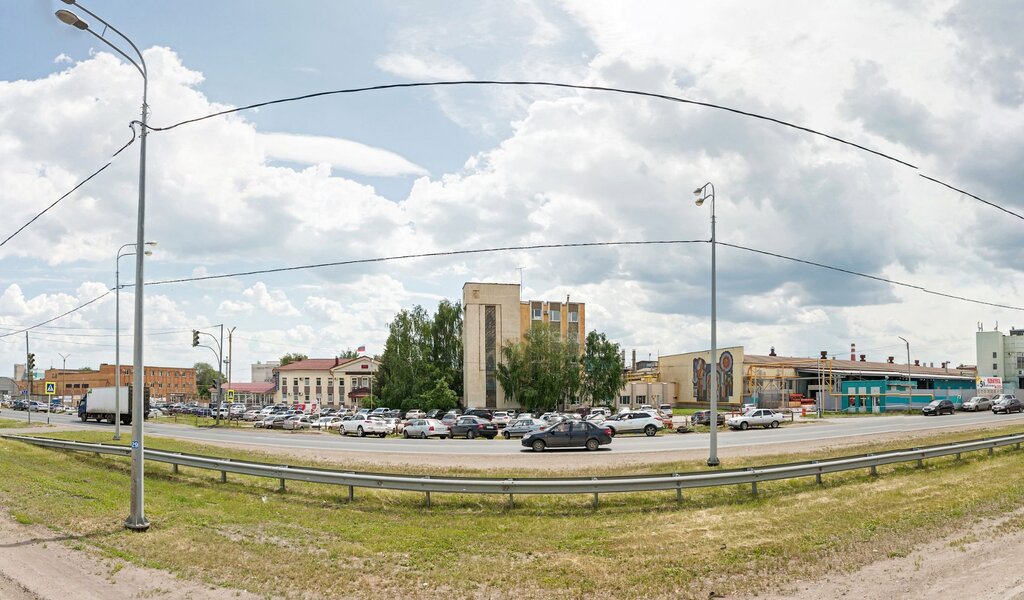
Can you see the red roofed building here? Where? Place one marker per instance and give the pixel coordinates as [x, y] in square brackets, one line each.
[329, 382]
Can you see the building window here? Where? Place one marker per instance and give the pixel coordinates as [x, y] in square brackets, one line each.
[1020, 362]
[995, 367]
[641, 399]
[574, 317]
[555, 316]
[624, 400]
[307, 380]
[536, 314]
[993, 355]
[317, 382]
[284, 382]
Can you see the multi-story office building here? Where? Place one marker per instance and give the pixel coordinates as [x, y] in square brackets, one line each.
[1001, 356]
[495, 315]
[263, 372]
[329, 382]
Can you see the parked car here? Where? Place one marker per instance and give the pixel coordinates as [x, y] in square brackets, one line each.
[938, 407]
[500, 419]
[425, 428]
[1001, 397]
[297, 422]
[415, 414]
[395, 425]
[569, 434]
[977, 403]
[634, 422]
[250, 415]
[363, 425]
[481, 413]
[703, 417]
[764, 417]
[471, 427]
[324, 423]
[380, 410]
[522, 426]
[264, 422]
[1008, 405]
[449, 418]
[434, 413]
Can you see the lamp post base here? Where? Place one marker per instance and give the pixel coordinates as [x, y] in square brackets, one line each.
[137, 525]
[714, 462]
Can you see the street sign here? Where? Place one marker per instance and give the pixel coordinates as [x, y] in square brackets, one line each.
[135, 445]
[51, 388]
[231, 395]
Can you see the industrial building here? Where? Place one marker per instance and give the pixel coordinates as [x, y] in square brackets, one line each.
[1001, 358]
[772, 381]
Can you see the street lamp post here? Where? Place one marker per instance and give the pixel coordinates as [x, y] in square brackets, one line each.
[910, 396]
[137, 517]
[117, 333]
[707, 192]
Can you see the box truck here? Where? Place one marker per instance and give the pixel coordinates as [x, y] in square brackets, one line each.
[98, 404]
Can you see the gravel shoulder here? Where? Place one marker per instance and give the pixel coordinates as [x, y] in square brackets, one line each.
[958, 566]
[37, 564]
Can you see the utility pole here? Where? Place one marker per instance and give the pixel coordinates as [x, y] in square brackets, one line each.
[910, 395]
[28, 377]
[231, 353]
[64, 367]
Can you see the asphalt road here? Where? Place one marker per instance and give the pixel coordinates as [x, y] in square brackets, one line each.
[825, 429]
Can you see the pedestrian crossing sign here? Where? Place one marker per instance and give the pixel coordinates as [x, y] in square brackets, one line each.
[231, 395]
[51, 388]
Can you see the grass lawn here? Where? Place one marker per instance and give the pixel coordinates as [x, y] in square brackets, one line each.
[13, 423]
[311, 541]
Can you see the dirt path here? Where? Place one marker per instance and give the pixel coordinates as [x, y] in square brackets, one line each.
[36, 564]
[981, 564]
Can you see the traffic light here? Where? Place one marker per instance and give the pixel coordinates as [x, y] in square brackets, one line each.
[31, 362]
[195, 338]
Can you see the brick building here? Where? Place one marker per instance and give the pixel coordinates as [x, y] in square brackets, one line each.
[175, 384]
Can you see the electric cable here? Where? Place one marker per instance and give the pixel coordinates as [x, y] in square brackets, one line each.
[594, 88]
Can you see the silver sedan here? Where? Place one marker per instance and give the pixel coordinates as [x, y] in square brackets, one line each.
[425, 428]
[521, 427]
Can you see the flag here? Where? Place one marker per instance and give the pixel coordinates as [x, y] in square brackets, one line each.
[361, 349]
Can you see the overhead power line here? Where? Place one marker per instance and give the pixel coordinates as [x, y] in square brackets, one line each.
[593, 88]
[69, 192]
[529, 247]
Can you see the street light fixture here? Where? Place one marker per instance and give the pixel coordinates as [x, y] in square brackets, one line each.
[137, 517]
[707, 192]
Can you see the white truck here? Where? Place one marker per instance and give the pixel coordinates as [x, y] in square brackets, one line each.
[99, 404]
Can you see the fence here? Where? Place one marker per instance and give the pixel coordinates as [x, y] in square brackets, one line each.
[575, 485]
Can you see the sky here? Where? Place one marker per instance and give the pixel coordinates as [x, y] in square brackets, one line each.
[938, 84]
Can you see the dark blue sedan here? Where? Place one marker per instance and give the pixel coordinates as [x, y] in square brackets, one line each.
[569, 434]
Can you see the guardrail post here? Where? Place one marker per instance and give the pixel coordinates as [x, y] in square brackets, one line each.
[874, 471]
[511, 502]
[280, 486]
[174, 468]
[958, 456]
[351, 493]
[428, 491]
[991, 450]
[679, 489]
[595, 494]
[920, 462]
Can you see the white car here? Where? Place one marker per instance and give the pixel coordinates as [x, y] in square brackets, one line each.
[500, 419]
[763, 417]
[265, 422]
[394, 425]
[634, 422]
[415, 414]
[425, 428]
[327, 423]
[251, 415]
[363, 425]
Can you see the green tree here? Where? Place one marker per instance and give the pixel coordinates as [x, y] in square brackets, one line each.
[206, 378]
[440, 396]
[420, 351]
[292, 357]
[542, 372]
[603, 375]
[348, 353]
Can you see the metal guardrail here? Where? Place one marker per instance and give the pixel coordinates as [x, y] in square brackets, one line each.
[512, 486]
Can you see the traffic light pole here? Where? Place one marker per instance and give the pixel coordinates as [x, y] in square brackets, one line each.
[29, 365]
[219, 354]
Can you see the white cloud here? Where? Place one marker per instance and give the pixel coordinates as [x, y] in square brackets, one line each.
[342, 154]
[274, 302]
[419, 66]
[62, 58]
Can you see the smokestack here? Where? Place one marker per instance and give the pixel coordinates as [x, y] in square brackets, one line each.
[862, 357]
[853, 351]
[824, 354]
[772, 352]
[335, 361]
[634, 359]
[891, 360]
